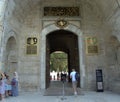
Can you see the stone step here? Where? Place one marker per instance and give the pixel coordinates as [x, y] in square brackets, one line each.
[59, 89]
[60, 84]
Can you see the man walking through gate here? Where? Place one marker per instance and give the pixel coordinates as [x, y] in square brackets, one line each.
[74, 81]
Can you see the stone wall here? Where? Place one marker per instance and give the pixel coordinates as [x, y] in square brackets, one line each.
[111, 12]
[23, 21]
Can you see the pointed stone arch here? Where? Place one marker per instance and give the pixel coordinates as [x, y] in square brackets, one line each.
[10, 53]
[44, 33]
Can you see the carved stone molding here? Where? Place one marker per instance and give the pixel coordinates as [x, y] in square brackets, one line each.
[61, 23]
[61, 11]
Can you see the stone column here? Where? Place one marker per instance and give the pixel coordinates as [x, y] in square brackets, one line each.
[82, 63]
[44, 33]
[43, 62]
[3, 4]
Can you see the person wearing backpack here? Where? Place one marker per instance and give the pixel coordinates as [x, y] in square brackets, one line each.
[74, 81]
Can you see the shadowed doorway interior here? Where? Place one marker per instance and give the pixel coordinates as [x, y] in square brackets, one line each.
[67, 42]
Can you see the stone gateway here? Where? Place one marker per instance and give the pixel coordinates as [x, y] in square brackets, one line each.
[88, 32]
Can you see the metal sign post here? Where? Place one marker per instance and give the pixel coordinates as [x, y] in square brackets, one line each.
[63, 92]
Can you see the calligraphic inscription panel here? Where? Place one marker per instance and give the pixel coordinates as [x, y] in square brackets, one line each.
[92, 45]
[61, 11]
[92, 49]
[31, 49]
[31, 45]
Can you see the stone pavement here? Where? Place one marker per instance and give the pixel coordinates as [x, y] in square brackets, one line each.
[88, 96]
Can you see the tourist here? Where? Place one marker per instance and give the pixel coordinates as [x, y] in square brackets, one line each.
[2, 87]
[9, 87]
[6, 84]
[74, 81]
[14, 84]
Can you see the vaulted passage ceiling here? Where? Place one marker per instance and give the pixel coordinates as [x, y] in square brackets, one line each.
[62, 41]
[105, 11]
[107, 7]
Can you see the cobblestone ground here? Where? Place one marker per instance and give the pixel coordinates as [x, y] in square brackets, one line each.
[86, 97]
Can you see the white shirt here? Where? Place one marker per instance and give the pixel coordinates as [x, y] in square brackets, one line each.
[72, 75]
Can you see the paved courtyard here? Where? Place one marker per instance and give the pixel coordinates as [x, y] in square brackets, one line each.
[87, 96]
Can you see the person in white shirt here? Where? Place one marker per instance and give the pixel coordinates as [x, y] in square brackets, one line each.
[74, 81]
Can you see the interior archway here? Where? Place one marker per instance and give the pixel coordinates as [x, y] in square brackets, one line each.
[66, 41]
[58, 65]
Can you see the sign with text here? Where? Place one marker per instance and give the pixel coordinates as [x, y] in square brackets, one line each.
[91, 45]
[31, 45]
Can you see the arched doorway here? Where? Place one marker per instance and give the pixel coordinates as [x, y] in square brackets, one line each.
[45, 49]
[11, 53]
[66, 41]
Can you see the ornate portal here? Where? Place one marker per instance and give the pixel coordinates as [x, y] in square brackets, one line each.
[31, 45]
[61, 11]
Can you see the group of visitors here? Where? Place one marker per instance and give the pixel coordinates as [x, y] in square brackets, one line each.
[8, 87]
[57, 76]
[63, 76]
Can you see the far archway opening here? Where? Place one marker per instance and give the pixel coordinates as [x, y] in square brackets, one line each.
[58, 66]
[67, 43]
